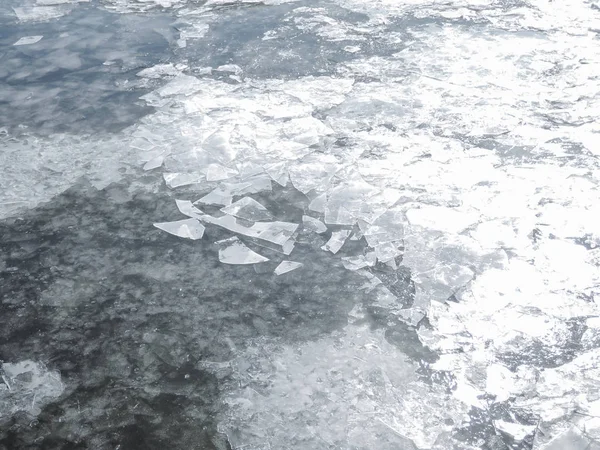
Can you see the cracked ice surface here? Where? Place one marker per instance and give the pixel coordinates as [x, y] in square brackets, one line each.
[463, 158]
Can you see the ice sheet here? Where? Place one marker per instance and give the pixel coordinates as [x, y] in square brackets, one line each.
[28, 40]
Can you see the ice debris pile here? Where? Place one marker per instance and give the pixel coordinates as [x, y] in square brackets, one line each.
[480, 179]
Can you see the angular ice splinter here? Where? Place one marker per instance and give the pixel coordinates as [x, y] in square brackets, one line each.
[217, 172]
[337, 240]
[174, 180]
[360, 261]
[154, 163]
[233, 251]
[187, 228]
[187, 208]
[218, 196]
[249, 209]
[312, 224]
[286, 266]
[28, 40]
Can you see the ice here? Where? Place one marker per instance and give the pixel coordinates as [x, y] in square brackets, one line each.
[187, 208]
[286, 266]
[28, 40]
[314, 225]
[187, 228]
[233, 251]
[218, 196]
[249, 209]
[360, 261]
[278, 172]
[318, 204]
[337, 240]
[175, 180]
[159, 71]
[217, 172]
[27, 386]
[154, 163]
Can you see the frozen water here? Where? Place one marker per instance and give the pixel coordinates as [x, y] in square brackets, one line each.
[233, 251]
[336, 241]
[28, 40]
[28, 386]
[286, 266]
[314, 225]
[249, 209]
[455, 142]
[187, 228]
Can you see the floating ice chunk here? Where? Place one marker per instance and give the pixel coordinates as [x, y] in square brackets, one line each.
[387, 251]
[181, 85]
[279, 173]
[314, 225]
[337, 240]
[28, 40]
[386, 228]
[306, 130]
[286, 266]
[249, 209]
[158, 71]
[27, 386]
[252, 185]
[187, 208]
[218, 196]
[174, 180]
[232, 68]
[360, 261]
[154, 163]
[218, 146]
[313, 173]
[318, 203]
[233, 251]
[249, 169]
[520, 431]
[217, 172]
[187, 228]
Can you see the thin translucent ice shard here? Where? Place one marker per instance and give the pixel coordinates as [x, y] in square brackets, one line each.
[279, 173]
[249, 209]
[387, 251]
[318, 204]
[28, 40]
[360, 261]
[187, 208]
[278, 233]
[218, 146]
[218, 196]
[233, 251]
[217, 172]
[337, 240]
[174, 180]
[286, 266]
[154, 163]
[314, 225]
[188, 228]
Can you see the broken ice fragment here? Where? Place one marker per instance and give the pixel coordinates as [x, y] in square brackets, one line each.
[218, 196]
[233, 251]
[337, 240]
[249, 209]
[187, 208]
[28, 40]
[217, 172]
[279, 173]
[187, 228]
[360, 261]
[286, 266]
[314, 225]
[318, 204]
[174, 180]
[154, 163]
